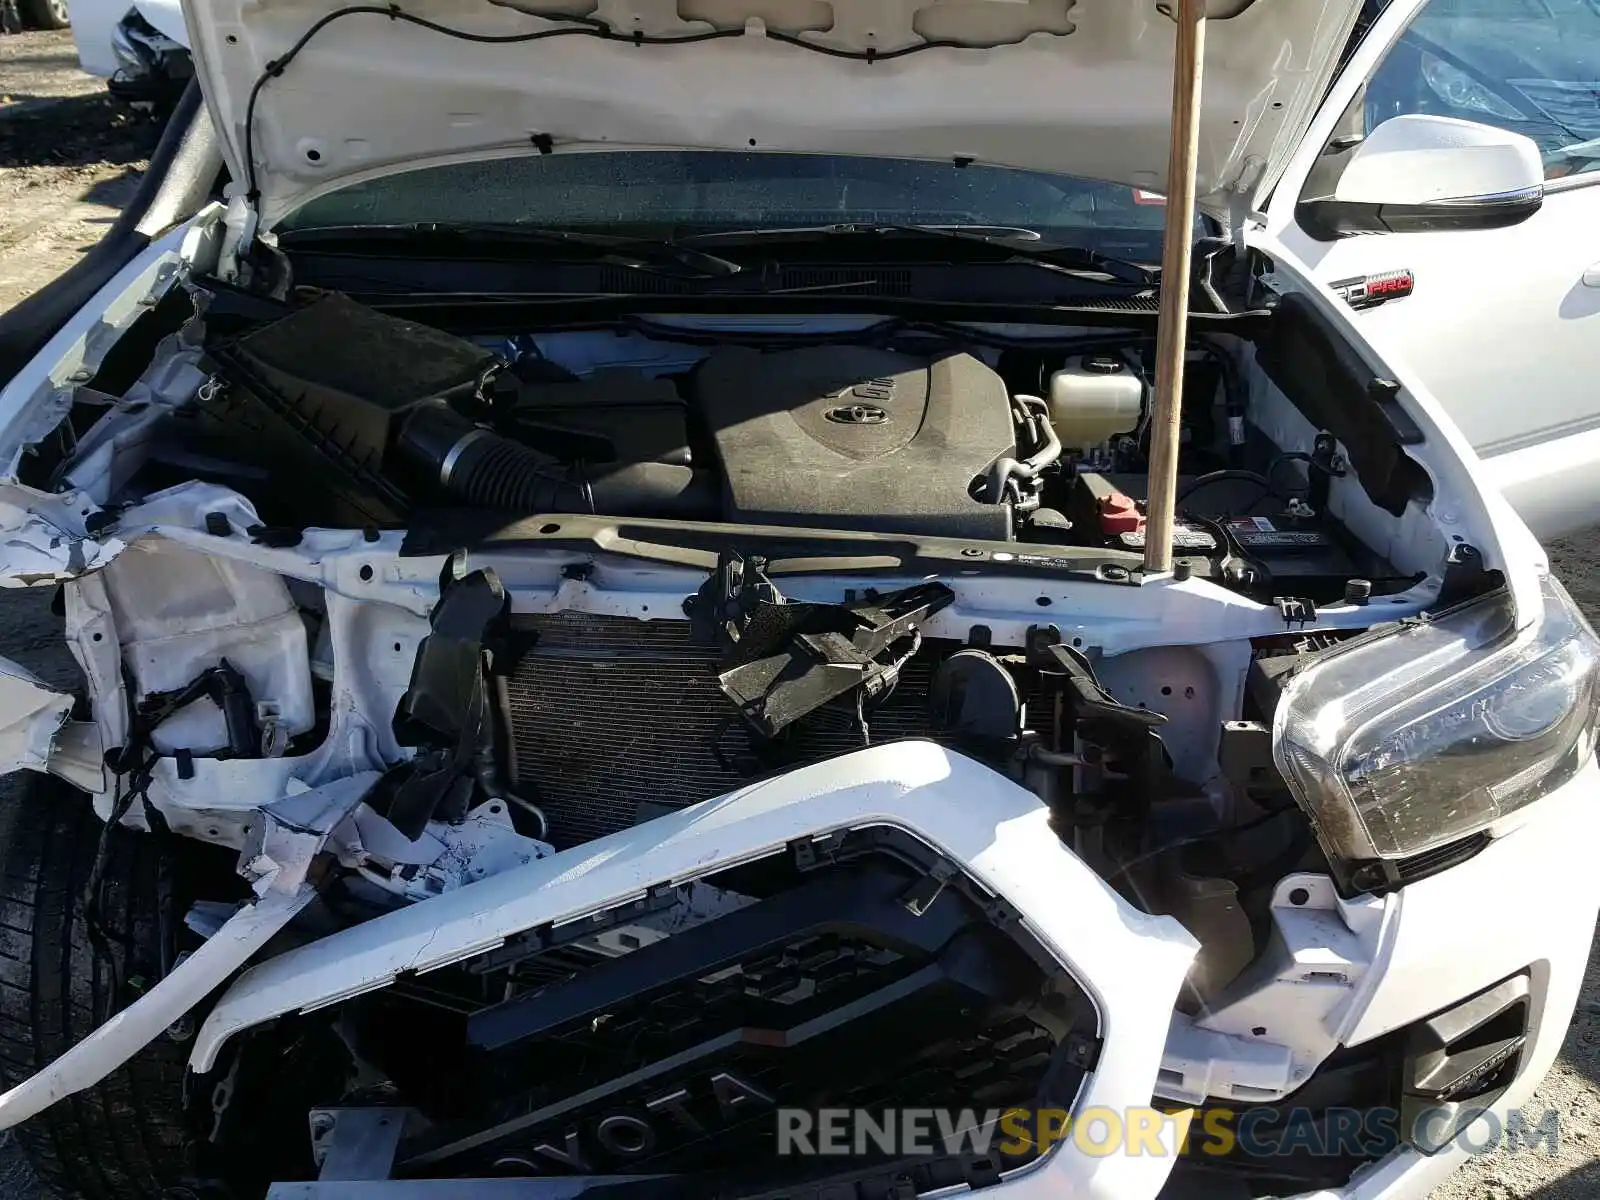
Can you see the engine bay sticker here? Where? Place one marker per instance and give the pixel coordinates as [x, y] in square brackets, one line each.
[1184, 537]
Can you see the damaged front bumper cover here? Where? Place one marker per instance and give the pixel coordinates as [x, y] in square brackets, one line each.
[1129, 963]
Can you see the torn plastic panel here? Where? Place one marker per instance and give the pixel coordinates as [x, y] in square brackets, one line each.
[294, 830]
[43, 539]
[785, 658]
[118, 1040]
[445, 856]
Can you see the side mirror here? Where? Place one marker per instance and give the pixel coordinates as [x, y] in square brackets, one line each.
[1415, 174]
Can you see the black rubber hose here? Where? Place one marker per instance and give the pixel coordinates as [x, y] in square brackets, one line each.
[490, 471]
[1231, 473]
[1048, 452]
[487, 470]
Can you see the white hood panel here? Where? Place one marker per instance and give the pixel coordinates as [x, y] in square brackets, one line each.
[1081, 88]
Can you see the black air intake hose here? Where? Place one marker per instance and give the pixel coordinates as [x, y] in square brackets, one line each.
[487, 470]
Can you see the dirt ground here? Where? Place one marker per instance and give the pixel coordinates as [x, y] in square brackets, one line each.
[68, 159]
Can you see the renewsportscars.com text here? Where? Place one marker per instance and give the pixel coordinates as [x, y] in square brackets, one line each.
[1216, 1132]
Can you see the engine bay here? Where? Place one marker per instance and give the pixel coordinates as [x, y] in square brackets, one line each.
[588, 658]
[384, 423]
[836, 533]
[467, 602]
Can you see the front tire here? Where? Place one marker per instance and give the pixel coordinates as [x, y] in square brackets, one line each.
[124, 1139]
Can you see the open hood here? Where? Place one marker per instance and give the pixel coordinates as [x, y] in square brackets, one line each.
[1074, 86]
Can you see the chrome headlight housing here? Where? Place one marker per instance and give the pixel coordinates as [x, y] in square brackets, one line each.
[1410, 738]
[1460, 91]
[124, 51]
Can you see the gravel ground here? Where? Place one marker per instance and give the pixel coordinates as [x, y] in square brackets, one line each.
[68, 159]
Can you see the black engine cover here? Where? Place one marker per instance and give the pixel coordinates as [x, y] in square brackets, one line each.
[855, 437]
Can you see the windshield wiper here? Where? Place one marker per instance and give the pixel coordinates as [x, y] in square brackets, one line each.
[1024, 244]
[634, 253]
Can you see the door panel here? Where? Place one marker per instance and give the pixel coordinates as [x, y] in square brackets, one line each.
[1500, 324]
[1503, 324]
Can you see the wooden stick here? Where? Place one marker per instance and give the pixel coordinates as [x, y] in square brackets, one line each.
[1172, 334]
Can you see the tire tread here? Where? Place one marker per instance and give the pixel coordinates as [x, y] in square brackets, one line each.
[125, 1138]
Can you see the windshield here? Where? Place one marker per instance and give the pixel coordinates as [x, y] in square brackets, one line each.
[675, 193]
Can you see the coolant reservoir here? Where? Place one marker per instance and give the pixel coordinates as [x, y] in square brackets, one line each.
[1094, 398]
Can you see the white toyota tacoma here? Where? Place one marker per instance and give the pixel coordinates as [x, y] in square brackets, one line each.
[608, 562]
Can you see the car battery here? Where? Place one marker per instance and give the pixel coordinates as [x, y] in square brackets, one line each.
[1292, 548]
[1288, 549]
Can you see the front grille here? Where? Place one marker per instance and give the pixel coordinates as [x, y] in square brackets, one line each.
[826, 991]
[613, 720]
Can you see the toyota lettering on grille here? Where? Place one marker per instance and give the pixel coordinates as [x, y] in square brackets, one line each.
[633, 1132]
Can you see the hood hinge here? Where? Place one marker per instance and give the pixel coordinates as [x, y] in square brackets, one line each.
[1238, 200]
[1240, 214]
[238, 234]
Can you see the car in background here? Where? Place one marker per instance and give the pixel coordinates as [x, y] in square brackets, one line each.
[142, 52]
[17, 15]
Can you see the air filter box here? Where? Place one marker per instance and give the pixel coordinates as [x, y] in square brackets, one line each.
[316, 398]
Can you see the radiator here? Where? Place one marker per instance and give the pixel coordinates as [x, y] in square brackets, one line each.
[611, 721]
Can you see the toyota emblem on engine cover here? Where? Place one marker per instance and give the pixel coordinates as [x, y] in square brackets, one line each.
[857, 414]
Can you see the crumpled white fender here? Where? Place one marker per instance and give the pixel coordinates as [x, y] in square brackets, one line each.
[42, 541]
[30, 716]
[35, 733]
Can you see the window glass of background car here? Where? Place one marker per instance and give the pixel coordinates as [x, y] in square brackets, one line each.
[1528, 66]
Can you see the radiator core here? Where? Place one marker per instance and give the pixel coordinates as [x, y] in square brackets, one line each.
[612, 720]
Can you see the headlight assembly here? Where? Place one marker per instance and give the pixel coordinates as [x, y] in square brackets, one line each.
[1459, 90]
[126, 53]
[1411, 738]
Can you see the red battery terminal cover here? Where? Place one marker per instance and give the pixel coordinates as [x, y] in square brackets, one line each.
[1119, 513]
